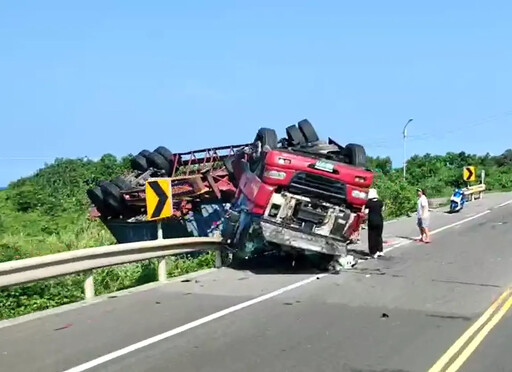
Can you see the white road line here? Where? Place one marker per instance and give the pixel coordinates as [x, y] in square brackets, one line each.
[186, 327]
[141, 344]
[440, 229]
[503, 204]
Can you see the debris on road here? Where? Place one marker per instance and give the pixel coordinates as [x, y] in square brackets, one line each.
[65, 326]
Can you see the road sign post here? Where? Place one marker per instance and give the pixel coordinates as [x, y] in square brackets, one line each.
[469, 174]
[158, 207]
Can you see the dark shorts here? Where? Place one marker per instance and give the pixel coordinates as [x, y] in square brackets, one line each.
[423, 222]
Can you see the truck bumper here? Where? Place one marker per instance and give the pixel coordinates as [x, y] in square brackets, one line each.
[286, 236]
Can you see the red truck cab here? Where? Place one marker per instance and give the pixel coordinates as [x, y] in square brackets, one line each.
[302, 197]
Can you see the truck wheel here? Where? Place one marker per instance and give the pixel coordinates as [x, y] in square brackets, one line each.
[122, 183]
[295, 136]
[113, 198]
[308, 131]
[267, 137]
[96, 197]
[139, 163]
[157, 161]
[165, 152]
[356, 155]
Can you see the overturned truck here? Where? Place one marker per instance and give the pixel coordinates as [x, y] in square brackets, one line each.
[296, 195]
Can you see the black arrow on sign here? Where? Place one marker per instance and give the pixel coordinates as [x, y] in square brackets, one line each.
[162, 198]
[470, 173]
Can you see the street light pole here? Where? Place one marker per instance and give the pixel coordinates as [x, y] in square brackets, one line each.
[404, 132]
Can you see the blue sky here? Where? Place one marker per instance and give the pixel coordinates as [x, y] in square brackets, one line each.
[87, 78]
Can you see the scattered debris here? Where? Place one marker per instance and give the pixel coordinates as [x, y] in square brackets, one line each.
[66, 326]
[384, 316]
[347, 262]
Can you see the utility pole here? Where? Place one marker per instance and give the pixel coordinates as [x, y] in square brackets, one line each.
[404, 132]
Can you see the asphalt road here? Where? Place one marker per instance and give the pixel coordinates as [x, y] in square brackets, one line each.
[399, 313]
[494, 352]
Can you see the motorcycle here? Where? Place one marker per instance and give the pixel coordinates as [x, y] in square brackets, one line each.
[457, 201]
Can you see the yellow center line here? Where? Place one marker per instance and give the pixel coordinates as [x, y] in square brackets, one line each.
[441, 363]
[479, 337]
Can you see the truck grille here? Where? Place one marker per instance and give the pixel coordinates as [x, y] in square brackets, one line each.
[316, 186]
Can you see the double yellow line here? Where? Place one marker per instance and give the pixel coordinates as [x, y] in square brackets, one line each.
[457, 354]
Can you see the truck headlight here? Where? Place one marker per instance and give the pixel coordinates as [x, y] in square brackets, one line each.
[359, 194]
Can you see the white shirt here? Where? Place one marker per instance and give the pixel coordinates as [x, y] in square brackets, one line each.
[422, 204]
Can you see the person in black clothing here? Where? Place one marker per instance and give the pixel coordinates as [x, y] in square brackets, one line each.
[374, 208]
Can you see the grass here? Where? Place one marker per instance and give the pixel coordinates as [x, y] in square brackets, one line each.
[43, 295]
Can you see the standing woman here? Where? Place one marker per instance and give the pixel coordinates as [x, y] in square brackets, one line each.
[373, 208]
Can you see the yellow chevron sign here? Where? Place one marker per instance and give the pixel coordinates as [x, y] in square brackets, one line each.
[469, 174]
[158, 198]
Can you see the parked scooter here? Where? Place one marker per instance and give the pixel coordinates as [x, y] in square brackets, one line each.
[457, 201]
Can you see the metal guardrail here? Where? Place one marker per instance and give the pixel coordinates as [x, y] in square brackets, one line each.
[472, 191]
[33, 269]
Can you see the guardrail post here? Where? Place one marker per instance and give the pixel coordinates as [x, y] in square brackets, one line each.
[218, 258]
[159, 231]
[89, 286]
[162, 270]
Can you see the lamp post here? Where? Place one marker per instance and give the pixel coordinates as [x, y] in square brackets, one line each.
[404, 132]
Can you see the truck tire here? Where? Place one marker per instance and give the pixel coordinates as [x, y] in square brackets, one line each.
[356, 155]
[139, 163]
[267, 137]
[157, 161]
[308, 131]
[144, 153]
[295, 136]
[165, 152]
[113, 198]
[122, 183]
[96, 197]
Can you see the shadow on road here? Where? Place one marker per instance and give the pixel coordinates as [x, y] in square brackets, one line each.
[276, 264]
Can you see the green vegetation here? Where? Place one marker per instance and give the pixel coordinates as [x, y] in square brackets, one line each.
[48, 213]
[438, 175]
